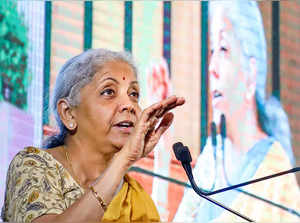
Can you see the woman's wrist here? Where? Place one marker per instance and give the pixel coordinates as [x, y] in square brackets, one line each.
[107, 184]
[122, 159]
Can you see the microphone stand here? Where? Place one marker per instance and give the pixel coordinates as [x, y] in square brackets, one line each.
[183, 155]
[223, 137]
[187, 169]
[293, 170]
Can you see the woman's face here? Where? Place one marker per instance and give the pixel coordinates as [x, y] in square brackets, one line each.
[226, 75]
[109, 109]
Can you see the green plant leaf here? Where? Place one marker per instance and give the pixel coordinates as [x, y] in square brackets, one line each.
[3, 30]
[13, 53]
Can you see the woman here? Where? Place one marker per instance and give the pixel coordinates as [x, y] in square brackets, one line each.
[258, 135]
[82, 176]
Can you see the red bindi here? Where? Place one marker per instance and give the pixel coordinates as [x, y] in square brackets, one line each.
[123, 78]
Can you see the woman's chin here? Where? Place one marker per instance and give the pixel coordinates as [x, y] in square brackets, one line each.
[120, 141]
[118, 146]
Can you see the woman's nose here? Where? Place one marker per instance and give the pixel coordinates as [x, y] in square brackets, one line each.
[127, 106]
[212, 69]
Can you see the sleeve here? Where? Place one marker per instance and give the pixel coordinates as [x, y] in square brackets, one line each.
[32, 188]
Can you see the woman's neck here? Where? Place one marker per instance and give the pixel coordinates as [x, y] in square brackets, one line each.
[87, 161]
[245, 132]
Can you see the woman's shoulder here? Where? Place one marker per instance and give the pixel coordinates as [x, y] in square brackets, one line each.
[34, 184]
[278, 156]
[275, 160]
[33, 158]
[39, 164]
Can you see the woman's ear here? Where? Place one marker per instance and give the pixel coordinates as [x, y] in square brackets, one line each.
[65, 112]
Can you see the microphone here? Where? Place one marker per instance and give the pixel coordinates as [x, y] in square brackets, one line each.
[293, 170]
[213, 128]
[182, 154]
[223, 128]
[188, 170]
[223, 138]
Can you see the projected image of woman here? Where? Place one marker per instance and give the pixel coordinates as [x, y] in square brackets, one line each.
[257, 131]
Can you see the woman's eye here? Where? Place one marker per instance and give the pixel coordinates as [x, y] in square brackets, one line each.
[135, 94]
[108, 92]
[223, 49]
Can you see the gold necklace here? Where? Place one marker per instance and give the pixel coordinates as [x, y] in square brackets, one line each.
[71, 166]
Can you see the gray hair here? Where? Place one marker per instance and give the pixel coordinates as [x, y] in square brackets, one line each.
[76, 73]
[248, 28]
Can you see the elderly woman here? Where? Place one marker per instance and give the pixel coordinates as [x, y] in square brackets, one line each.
[258, 135]
[82, 175]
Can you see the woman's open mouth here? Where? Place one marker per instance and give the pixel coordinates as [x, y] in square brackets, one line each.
[125, 126]
[216, 97]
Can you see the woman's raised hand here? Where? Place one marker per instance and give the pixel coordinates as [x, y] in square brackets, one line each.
[146, 135]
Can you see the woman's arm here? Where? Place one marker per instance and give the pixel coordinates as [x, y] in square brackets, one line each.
[87, 207]
[140, 143]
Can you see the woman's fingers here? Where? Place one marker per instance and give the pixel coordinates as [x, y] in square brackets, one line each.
[169, 105]
[152, 123]
[154, 135]
[149, 118]
[163, 105]
[150, 111]
[164, 124]
[159, 109]
[166, 105]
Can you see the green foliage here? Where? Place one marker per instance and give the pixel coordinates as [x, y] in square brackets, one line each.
[14, 75]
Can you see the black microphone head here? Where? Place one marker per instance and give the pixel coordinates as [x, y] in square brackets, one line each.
[177, 148]
[213, 133]
[186, 155]
[223, 126]
[182, 153]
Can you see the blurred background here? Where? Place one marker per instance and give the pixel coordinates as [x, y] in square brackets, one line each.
[169, 43]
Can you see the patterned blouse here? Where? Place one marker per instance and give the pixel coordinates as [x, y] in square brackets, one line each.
[37, 184]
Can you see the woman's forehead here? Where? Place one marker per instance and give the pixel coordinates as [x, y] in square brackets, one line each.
[115, 70]
[222, 33]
